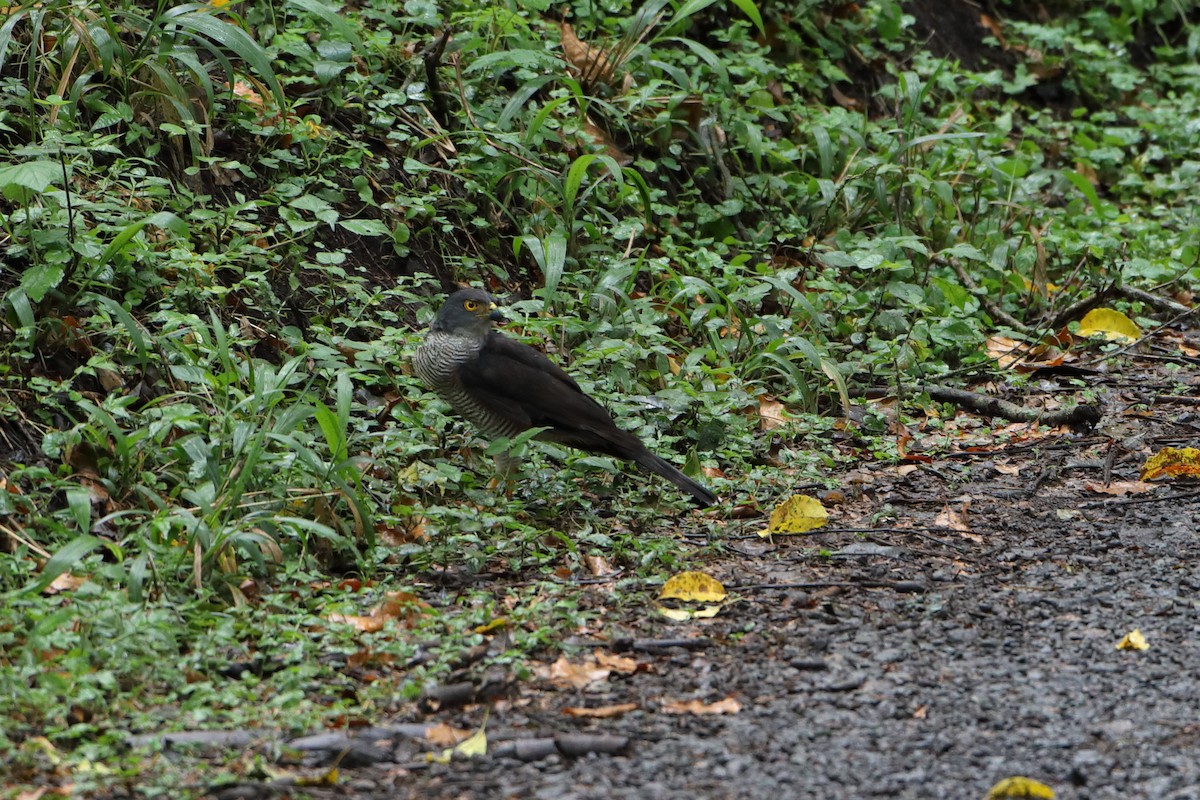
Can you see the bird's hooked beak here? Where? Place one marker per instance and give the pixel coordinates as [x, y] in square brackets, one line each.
[495, 314]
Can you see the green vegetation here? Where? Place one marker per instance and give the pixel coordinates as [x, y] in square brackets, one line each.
[225, 226]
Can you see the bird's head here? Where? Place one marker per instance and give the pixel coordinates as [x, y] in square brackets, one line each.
[467, 312]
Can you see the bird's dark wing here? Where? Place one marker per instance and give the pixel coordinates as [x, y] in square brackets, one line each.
[519, 383]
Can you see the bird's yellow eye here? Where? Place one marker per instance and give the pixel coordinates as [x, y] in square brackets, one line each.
[471, 305]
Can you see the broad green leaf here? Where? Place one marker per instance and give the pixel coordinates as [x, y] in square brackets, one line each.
[36, 281]
[32, 176]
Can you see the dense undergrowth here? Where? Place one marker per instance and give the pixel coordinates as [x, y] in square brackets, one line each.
[225, 226]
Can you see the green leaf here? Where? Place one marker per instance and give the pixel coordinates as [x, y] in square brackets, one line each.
[337, 22]
[1085, 187]
[365, 227]
[507, 59]
[36, 281]
[233, 39]
[34, 176]
[750, 10]
[163, 219]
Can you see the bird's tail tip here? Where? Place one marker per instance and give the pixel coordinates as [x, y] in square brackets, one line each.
[701, 495]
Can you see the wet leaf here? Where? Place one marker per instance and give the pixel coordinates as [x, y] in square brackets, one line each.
[693, 586]
[1111, 324]
[1134, 640]
[1172, 461]
[798, 514]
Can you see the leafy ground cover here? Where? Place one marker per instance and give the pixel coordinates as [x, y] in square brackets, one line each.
[773, 241]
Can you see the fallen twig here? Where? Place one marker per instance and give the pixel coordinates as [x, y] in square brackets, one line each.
[1077, 416]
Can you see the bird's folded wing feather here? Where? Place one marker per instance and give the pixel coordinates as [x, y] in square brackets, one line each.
[518, 382]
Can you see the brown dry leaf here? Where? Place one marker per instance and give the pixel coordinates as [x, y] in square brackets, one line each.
[598, 566]
[602, 138]
[844, 100]
[395, 535]
[400, 606]
[1020, 356]
[473, 746]
[621, 664]
[727, 706]
[445, 736]
[956, 520]
[1119, 488]
[601, 712]
[1008, 469]
[1171, 461]
[245, 92]
[770, 413]
[566, 675]
[592, 63]
[993, 27]
[65, 582]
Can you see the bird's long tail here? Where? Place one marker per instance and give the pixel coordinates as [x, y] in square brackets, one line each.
[658, 466]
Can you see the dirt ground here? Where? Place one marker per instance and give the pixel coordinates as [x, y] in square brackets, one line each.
[956, 624]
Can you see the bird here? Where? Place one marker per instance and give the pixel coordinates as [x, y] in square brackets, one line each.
[504, 387]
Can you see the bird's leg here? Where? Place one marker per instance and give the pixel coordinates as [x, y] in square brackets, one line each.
[507, 466]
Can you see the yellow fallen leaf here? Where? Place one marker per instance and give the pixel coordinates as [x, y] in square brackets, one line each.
[1172, 461]
[1134, 640]
[677, 614]
[693, 586]
[798, 514]
[1019, 786]
[495, 624]
[474, 745]
[683, 614]
[1111, 324]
